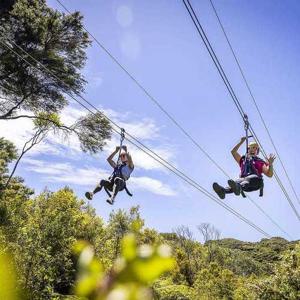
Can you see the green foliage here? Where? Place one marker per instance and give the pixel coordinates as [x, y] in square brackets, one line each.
[167, 290]
[10, 210]
[93, 130]
[8, 153]
[285, 283]
[215, 282]
[121, 259]
[55, 39]
[54, 222]
[254, 258]
[132, 272]
[8, 286]
[58, 42]
[46, 120]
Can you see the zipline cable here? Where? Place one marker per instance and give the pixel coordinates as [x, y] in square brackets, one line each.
[147, 93]
[212, 54]
[140, 145]
[156, 102]
[253, 99]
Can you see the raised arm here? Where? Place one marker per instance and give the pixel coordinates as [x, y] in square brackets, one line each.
[234, 150]
[268, 169]
[110, 158]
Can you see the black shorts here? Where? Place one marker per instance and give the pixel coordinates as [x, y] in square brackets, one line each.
[109, 184]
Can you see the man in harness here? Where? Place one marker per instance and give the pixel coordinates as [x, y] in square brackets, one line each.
[117, 181]
[252, 170]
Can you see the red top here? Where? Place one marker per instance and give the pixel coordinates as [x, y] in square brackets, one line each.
[257, 164]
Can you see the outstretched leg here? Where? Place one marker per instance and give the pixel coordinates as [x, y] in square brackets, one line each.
[249, 183]
[233, 187]
[119, 185]
[98, 188]
[219, 190]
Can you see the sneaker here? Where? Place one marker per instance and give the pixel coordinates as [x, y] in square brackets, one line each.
[236, 188]
[219, 190]
[89, 195]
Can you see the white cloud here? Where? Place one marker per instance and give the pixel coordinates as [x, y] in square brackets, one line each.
[124, 16]
[145, 130]
[19, 131]
[153, 185]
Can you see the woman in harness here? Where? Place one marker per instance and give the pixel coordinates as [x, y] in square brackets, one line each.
[117, 181]
[252, 170]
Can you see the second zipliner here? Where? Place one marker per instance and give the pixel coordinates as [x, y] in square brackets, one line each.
[252, 168]
[121, 173]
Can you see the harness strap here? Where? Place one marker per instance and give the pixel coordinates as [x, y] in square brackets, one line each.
[121, 144]
[125, 188]
[127, 191]
[248, 168]
[261, 191]
[108, 193]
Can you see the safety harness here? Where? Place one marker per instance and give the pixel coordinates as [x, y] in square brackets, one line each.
[249, 162]
[117, 172]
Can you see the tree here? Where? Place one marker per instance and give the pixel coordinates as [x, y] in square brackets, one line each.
[214, 282]
[12, 200]
[120, 223]
[210, 235]
[57, 42]
[91, 131]
[209, 232]
[188, 254]
[54, 222]
[285, 283]
[166, 290]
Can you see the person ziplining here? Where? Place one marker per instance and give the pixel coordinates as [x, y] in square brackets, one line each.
[252, 169]
[122, 171]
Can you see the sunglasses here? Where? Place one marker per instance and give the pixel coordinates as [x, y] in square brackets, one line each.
[123, 155]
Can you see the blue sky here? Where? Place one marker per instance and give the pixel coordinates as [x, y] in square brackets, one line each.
[157, 43]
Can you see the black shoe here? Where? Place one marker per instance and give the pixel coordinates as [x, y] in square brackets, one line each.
[219, 190]
[236, 188]
[89, 195]
[110, 201]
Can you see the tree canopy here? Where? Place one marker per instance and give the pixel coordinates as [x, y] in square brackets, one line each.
[63, 250]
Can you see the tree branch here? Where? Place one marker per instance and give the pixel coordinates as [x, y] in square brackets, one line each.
[69, 128]
[9, 113]
[37, 138]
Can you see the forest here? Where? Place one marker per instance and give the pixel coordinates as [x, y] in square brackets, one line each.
[54, 246]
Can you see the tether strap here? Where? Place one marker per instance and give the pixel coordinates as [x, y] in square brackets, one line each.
[121, 144]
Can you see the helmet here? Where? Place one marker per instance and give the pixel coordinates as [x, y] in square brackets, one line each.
[254, 143]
